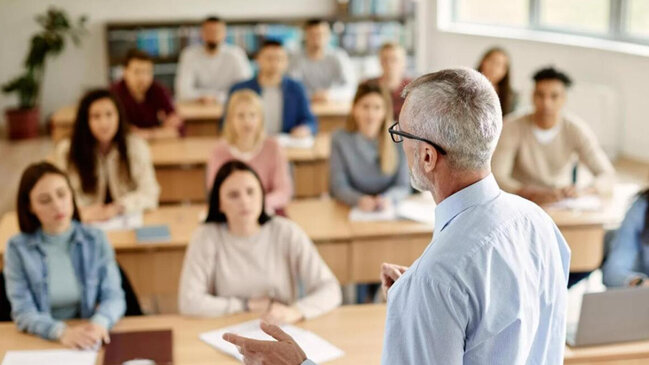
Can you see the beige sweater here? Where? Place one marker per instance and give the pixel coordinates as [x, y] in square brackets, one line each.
[520, 160]
[141, 194]
[221, 271]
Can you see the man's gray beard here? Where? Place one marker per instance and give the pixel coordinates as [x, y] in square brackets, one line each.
[417, 182]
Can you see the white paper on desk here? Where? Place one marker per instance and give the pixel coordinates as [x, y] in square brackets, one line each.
[315, 348]
[120, 222]
[50, 357]
[286, 141]
[418, 210]
[357, 215]
[587, 202]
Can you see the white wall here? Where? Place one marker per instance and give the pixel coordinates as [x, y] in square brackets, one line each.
[622, 77]
[78, 69]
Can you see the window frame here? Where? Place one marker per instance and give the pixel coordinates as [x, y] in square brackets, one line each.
[617, 23]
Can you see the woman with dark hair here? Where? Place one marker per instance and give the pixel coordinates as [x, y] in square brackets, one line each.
[495, 65]
[57, 268]
[627, 263]
[110, 170]
[367, 170]
[242, 260]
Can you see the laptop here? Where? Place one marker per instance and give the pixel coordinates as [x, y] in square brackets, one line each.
[616, 315]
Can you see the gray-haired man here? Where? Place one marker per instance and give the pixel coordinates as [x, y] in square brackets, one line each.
[491, 286]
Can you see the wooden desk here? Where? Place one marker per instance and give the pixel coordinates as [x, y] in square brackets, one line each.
[584, 230]
[180, 167]
[357, 330]
[353, 250]
[202, 120]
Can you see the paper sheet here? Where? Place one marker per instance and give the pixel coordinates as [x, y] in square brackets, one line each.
[120, 222]
[50, 357]
[357, 215]
[286, 141]
[315, 348]
[418, 210]
[588, 202]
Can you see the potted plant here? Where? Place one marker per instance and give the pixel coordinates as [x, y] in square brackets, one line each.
[22, 122]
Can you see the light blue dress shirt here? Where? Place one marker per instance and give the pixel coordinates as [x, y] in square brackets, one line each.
[629, 256]
[489, 289]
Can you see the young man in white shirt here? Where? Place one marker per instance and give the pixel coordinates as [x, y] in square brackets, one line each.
[208, 70]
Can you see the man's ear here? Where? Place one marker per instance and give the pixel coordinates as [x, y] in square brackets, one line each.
[428, 157]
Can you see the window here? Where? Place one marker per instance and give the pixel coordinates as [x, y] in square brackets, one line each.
[585, 16]
[617, 20]
[495, 12]
[637, 18]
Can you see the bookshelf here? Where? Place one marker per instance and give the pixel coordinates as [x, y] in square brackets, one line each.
[358, 26]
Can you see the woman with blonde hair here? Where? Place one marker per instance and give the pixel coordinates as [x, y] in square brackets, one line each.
[367, 169]
[244, 139]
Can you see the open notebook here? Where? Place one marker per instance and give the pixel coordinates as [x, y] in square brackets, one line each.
[315, 348]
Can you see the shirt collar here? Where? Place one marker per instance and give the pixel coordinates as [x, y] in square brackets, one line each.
[475, 194]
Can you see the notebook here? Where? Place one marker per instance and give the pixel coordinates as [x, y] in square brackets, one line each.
[156, 346]
[153, 234]
[50, 357]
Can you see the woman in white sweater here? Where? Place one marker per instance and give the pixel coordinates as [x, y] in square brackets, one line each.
[241, 259]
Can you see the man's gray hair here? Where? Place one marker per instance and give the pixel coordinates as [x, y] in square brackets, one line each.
[459, 110]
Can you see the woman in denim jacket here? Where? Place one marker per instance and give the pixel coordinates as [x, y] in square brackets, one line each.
[57, 268]
[628, 262]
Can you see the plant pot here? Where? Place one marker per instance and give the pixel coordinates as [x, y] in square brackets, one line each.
[22, 123]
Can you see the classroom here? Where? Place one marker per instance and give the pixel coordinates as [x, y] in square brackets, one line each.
[324, 182]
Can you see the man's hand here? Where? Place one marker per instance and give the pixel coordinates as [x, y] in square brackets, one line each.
[259, 305]
[390, 273]
[367, 203]
[301, 131]
[320, 96]
[284, 351]
[279, 314]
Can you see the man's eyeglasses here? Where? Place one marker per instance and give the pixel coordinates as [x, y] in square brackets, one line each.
[398, 136]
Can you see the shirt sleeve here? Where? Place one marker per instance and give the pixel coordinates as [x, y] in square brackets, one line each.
[197, 278]
[24, 312]
[504, 157]
[111, 304]
[185, 78]
[339, 185]
[322, 291]
[306, 116]
[242, 68]
[281, 186]
[619, 268]
[425, 324]
[146, 192]
[346, 84]
[592, 155]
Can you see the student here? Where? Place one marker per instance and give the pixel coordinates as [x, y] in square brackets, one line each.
[207, 71]
[393, 63]
[326, 72]
[367, 169]
[58, 269]
[627, 263]
[147, 104]
[286, 105]
[244, 139]
[242, 260]
[536, 153]
[495, 65]
[111, 171]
